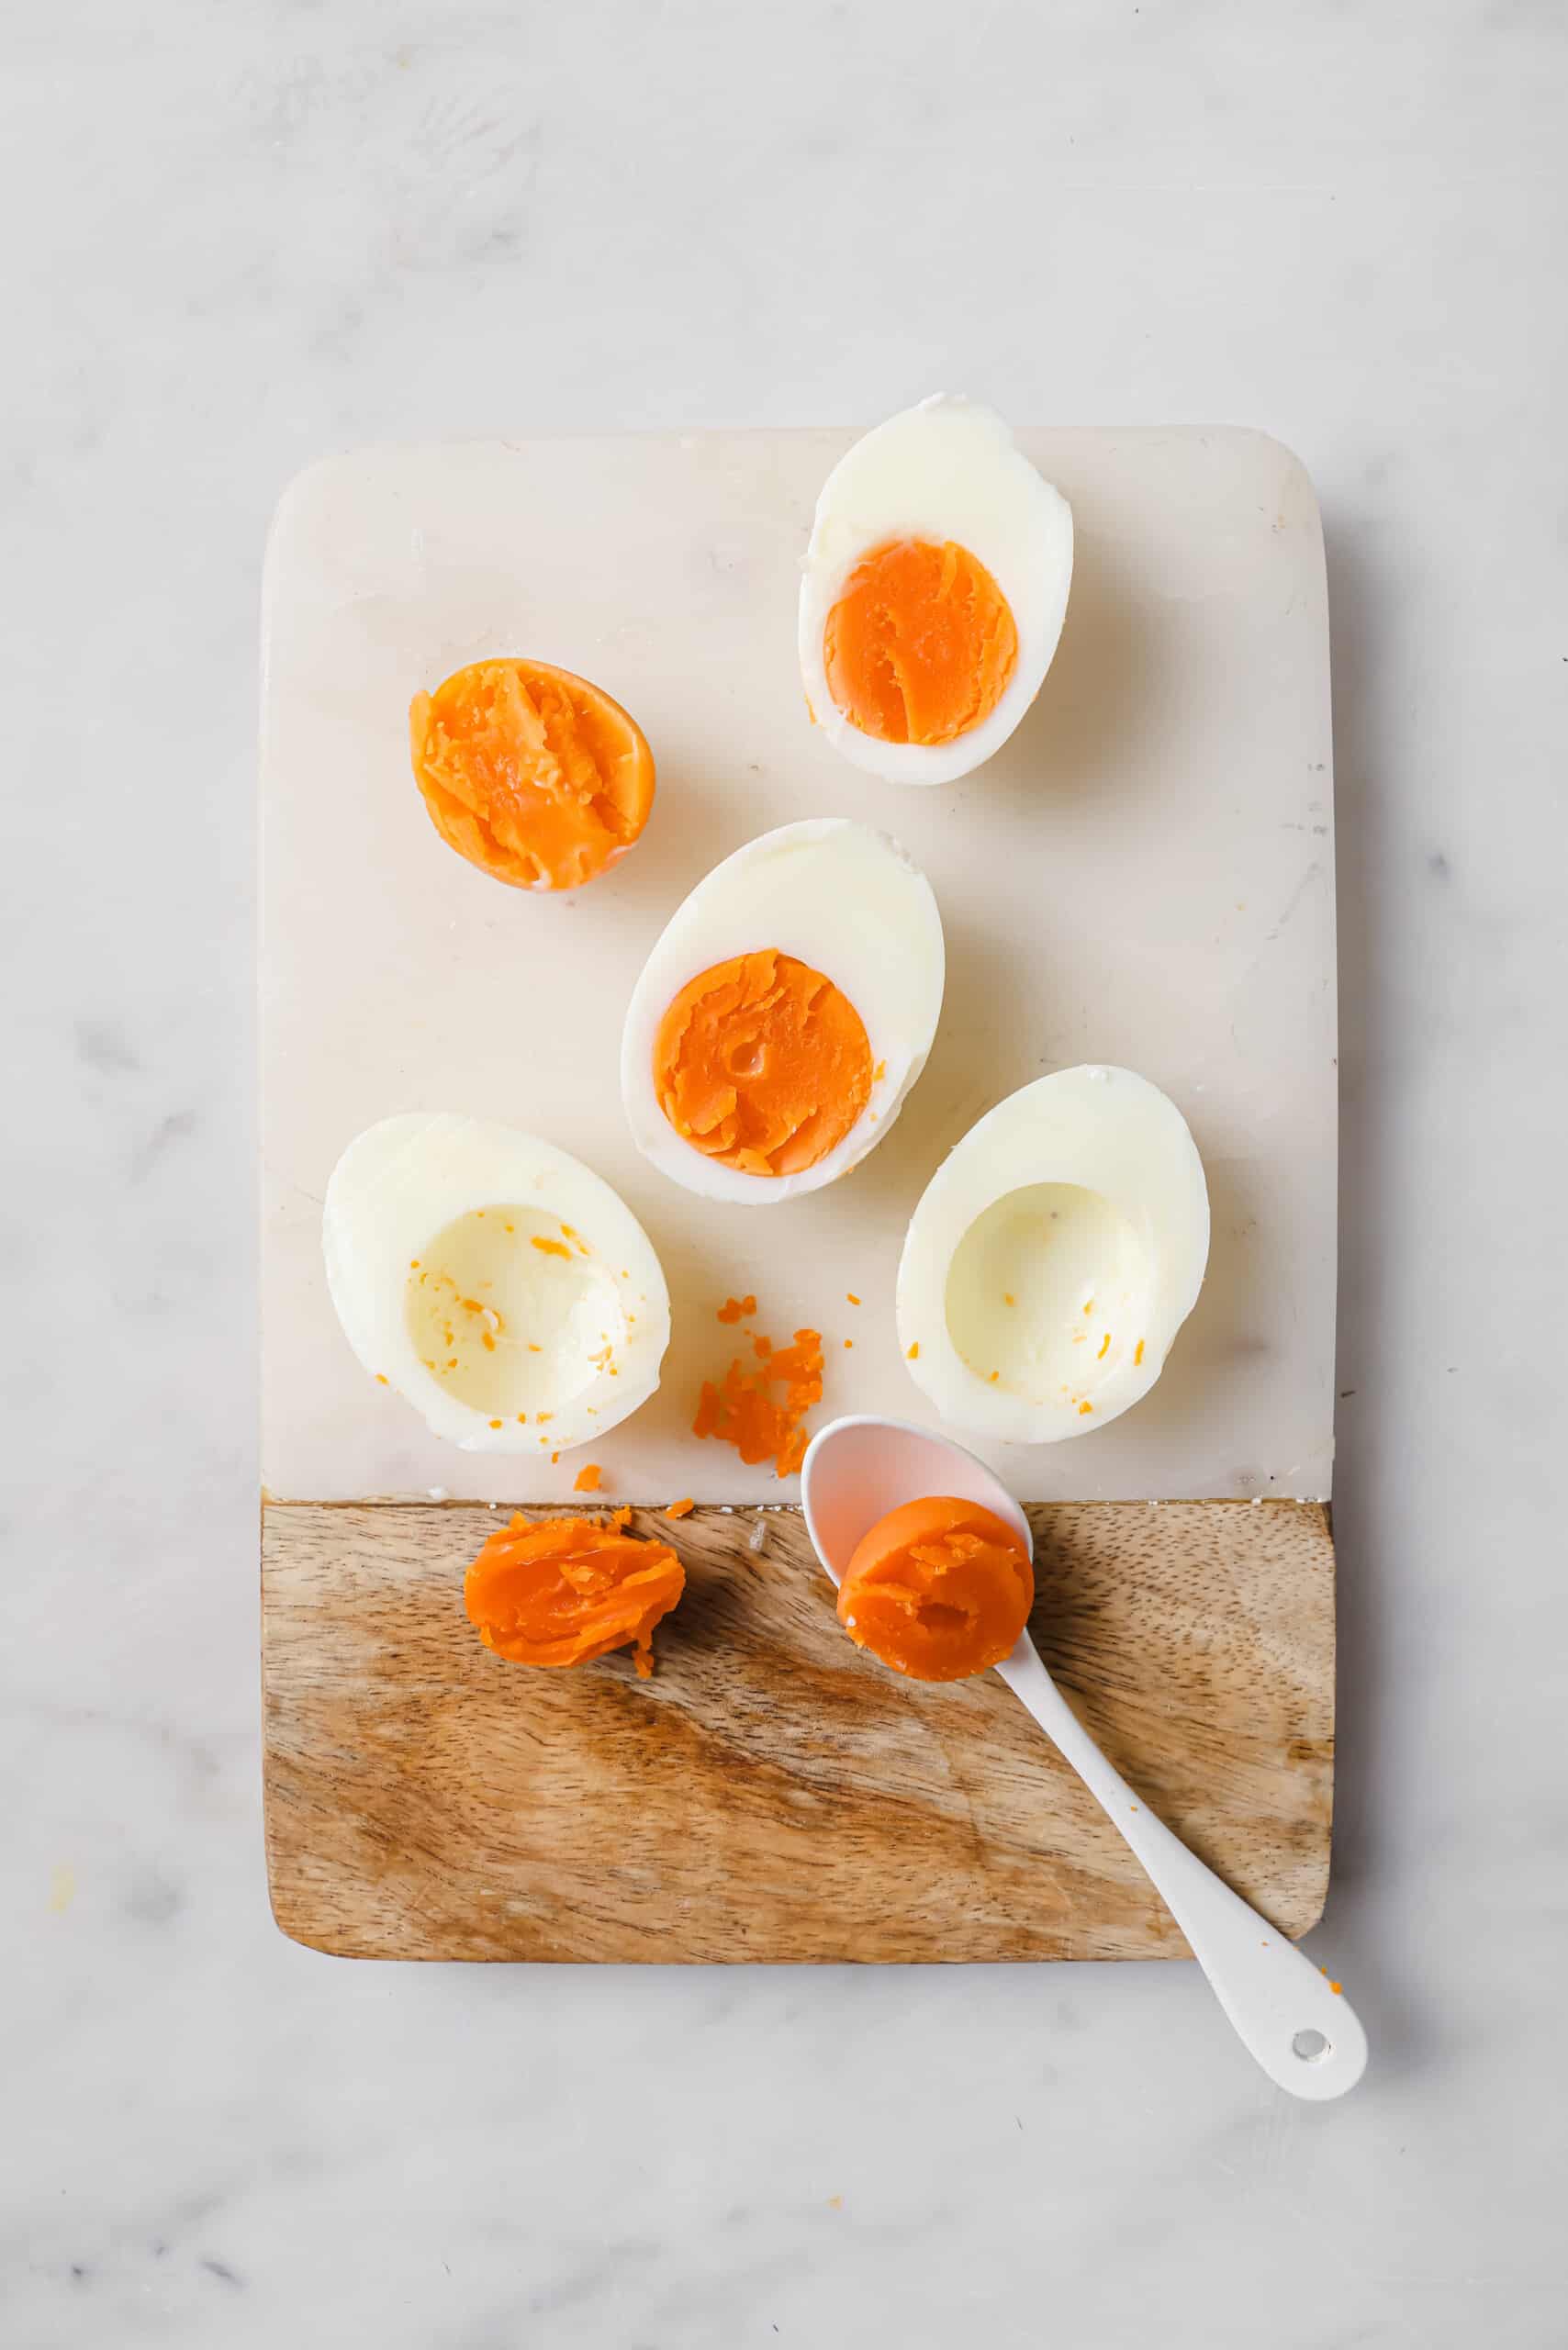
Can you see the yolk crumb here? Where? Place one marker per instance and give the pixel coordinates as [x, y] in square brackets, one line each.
[938, 1589]
[621, 1517]
[850, 1293]
[568, 1589]
[762, 1064]
[586, 1479]
[921, 645]
[550, 1248]
[913, 1353]
[495, 1423]
[1104, 1348]
[682, 1509]
[1138, 1352]
[743, 1411]
[1085, 1407]
[533, 773]
[382, 1379]
[734, 1309]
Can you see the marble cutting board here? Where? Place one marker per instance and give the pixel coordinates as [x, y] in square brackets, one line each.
[1145, 875]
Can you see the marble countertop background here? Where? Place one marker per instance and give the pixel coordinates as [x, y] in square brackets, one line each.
[237, 237]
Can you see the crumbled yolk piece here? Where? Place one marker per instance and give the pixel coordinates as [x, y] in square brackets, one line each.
[938, 1589]
[736, 1309]
[850, 1293]
[1104, 1348]
[762, 1064]
[586, 1479]
[912, 1354]
[682, 1509]
[1138, 1352]
[1085, 1409]
[743, 1411]
[921, 645]
[550, 1248]
[570, 1589]
[533, 773]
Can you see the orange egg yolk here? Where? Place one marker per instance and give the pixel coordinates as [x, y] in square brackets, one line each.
[760, 1406]
[938, 1589]
[921, 645]
[569, 1589]
[762, 1064]
[532, 774]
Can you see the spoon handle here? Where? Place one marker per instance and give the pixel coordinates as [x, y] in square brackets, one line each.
[1302, 2030]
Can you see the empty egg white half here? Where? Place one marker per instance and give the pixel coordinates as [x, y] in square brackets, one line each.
[497, 1284]
[946, 471]
[839, 897]
[1053, 1258]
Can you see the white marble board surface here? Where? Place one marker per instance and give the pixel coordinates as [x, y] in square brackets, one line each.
[243, 237]
[1145, 875]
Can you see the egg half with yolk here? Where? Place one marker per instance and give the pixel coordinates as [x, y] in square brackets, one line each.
[495, 1283]
[1053, 1258]
[933, 591]
[785, 1013]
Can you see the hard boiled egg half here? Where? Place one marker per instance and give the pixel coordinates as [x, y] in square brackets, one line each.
[934, 587]
[785, 1013]
[496, 1283]
[1053, 1258]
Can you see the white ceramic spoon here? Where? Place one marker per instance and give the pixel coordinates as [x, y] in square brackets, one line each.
[1305, 2036]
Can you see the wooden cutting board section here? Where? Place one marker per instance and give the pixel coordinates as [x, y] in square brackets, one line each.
[772, 1794]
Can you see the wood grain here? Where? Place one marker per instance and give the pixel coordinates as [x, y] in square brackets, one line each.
[772, 1793]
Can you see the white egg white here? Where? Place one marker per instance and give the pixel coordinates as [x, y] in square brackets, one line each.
[947, 470]
[1053, 1258]
[497, 1284]
[839, 897]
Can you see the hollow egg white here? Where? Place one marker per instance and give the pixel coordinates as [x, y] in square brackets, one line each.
[932, 594]
[1053, 1258]
[784, 1014]
[495, 1283]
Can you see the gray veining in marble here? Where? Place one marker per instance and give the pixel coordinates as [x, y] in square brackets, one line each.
[238, 237]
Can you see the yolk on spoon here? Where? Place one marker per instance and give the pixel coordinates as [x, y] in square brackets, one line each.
[762, 1064]
[921, 645]
[938, 1589]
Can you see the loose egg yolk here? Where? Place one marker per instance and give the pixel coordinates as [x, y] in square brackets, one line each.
[569, 1589]
[938, 1589]
[921, 645]
[760, 1408]
[762, 1064]
[532, 774]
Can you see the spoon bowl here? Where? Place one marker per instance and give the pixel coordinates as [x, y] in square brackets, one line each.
[859, 1467]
